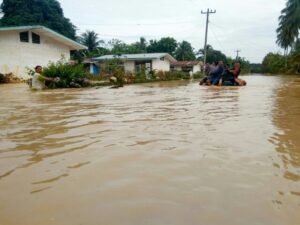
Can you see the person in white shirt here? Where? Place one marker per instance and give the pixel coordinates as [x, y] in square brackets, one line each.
[38, 80]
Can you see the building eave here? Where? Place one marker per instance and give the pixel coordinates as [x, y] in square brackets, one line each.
[73, 45]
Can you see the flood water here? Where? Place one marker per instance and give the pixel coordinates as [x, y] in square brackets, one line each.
[153, 154]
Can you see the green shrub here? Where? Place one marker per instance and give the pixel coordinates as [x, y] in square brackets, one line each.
[71, 76]
[115, 68]
[177, 75]
[198, 75]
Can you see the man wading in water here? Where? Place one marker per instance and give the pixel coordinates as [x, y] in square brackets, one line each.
[38, 80]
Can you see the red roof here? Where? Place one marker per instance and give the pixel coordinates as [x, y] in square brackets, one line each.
[185, 63]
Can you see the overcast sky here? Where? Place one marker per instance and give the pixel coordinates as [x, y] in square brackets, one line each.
[247, 25]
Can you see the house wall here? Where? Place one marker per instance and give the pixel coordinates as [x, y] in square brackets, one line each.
[129, 66]
[15, 55]
[158, 64]
[196, 69]
[177, 68]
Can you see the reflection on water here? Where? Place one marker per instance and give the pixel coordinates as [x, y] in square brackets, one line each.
[160, 153]
[287, 120]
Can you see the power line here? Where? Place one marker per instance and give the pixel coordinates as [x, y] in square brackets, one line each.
[218, 41]
[137, 24]
[143, 35]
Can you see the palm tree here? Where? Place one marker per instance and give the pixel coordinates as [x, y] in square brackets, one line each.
[289, 24]
[185, 51]
[90, 39]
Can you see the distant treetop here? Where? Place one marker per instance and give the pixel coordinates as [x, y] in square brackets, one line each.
[47, 13]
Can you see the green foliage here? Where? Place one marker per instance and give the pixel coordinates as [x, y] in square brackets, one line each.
[289, 24]
[273, 63]
[177, 75]
[165, 45]
[256, 68]
[90, 39]
[118, 47]
[185, 52]
[37, 12]
[115, 68]
[287, 37]
[71, 76]
[245, 65]
[212, 55]
[198, 75]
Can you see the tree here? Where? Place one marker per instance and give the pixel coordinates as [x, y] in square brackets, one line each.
[141, 45]
[164, 45]
[273, 63]
[37, 12]
[212, 55]
[118, 47]
[90, 39]
[184, 52]
[289, 24]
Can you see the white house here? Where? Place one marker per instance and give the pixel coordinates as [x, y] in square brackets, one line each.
[28, 46]
[136, 62]
[187, 66]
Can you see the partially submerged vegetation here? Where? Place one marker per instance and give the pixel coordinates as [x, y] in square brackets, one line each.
[70, 76]
[9, 78]
[113, 74]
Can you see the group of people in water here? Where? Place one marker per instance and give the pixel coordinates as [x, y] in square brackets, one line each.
[220, 75]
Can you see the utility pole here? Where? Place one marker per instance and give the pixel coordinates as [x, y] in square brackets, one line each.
[208, 12]
[237, 54]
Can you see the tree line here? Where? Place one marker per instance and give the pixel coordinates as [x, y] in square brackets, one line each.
[182, 51]
[288, 39]
[96, 47]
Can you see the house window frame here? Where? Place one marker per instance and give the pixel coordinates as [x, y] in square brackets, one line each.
[23, 39]
[35, 38]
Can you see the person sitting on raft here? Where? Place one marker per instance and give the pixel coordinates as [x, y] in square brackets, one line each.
[214, 75]
[230, 77]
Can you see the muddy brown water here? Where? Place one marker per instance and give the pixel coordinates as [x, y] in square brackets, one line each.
[153, 154]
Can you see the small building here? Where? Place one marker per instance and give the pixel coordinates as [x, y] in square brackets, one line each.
[138, 62]
[28, 46]
[187, 66]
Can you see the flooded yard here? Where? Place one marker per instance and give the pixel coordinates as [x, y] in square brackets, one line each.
[152, 154]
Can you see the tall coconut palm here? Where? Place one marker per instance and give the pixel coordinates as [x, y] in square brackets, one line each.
[90, 39]
[289, 24]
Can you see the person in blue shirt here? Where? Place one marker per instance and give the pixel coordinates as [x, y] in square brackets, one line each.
[216, 75]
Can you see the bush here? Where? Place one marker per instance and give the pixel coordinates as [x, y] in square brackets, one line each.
[71, 76]
[9, 78]
[177, 75]
[115, 69]
[198, 75]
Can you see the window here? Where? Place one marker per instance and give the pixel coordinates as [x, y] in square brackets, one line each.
[24, 36]
[36, 38]
[162, 59]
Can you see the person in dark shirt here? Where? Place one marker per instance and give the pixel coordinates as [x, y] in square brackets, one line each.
[216, 75]
[230, 77]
